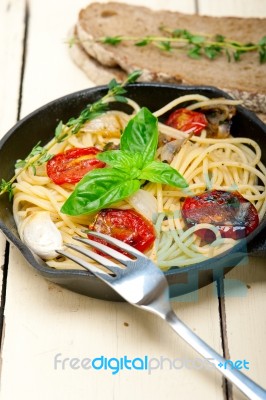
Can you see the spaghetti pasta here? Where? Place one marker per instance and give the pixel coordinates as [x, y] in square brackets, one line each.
[206, 164]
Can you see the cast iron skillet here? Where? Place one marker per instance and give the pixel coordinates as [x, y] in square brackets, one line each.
[40, 125]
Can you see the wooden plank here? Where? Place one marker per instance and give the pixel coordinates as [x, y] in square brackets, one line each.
[2, 266]
[43, 319]
[245, 322]
[12, 26]
[236, 8]
[49, 72]
[245, 297]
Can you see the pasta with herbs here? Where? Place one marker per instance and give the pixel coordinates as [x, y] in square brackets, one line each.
[207, 163]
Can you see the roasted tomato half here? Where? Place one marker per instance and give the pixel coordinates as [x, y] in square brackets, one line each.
[71, 165]
[126, 225]
[184, 119]
[234, 215]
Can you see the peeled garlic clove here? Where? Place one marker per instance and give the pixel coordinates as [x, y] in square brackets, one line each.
[41, 235]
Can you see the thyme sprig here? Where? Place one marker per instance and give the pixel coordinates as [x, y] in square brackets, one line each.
[196, 45]
[6, 187]
[40, 154]
[37, 150]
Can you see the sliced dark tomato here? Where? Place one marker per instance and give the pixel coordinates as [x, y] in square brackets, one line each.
[126, 225]
[234, 215]
[184, 119]
[71, 165]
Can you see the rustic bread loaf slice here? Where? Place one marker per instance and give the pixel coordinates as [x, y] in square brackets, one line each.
[95, 71]
[244, 79]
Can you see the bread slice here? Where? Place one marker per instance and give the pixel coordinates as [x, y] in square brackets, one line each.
[95, 71]
[245, 79]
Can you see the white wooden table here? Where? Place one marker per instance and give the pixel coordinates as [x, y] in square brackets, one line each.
[42, 320]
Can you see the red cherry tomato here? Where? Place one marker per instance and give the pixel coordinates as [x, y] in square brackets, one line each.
[234, 215]
[71, 165]
[184, 119]
[126, 225]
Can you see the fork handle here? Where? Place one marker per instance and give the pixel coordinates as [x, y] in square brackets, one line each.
[245, 384]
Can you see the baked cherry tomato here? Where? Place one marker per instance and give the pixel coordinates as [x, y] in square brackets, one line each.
[234, 215]
[71, 165]
[184, 119]
[126, 225]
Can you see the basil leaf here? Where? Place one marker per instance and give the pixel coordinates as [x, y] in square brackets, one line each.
[141, 135]
[160, 172]
[98, 189]
[121, 159]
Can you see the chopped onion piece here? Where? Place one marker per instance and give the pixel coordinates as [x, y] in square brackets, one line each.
[144, 202]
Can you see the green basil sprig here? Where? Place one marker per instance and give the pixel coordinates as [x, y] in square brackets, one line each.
[127, 169]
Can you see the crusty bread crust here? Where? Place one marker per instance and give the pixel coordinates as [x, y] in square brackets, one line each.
[95, 71]
[245, 79]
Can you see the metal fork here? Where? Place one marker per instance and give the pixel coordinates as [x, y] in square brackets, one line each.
[140, 282]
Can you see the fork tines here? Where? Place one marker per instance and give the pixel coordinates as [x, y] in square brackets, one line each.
[108, 263]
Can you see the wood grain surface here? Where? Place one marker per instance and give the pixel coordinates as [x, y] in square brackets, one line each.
[42, 320]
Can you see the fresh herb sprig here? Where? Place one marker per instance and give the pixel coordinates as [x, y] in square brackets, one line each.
[196, 45]
[116, 91]
[36, 157]
[31, 161]
[39, 154]
[128, 168]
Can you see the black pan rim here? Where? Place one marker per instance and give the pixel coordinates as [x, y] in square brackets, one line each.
[49, 272]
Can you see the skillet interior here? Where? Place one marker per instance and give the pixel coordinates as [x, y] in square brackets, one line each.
[40, 125]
